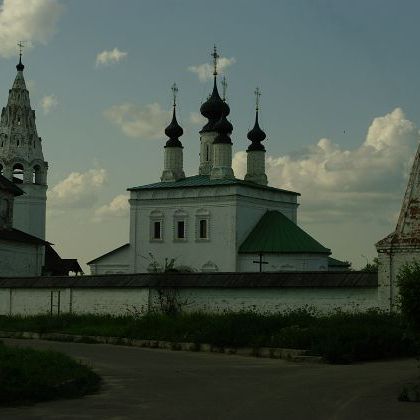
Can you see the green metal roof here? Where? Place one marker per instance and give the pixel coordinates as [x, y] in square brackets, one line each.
[275, 233]
[205, 181]
[332, 262]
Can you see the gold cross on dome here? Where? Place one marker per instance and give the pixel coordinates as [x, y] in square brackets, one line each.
[21, 46]
[215, 58]
[257, 93]
[174, 89]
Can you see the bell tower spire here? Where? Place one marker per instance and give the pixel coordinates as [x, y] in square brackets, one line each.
[256, 151]
[173, 155]
[21, 157]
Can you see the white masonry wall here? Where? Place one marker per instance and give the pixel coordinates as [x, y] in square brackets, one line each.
[389, 267]
[284, 262]
[99, 301]
[232, 212]
[30, 209]
[125, 301]
[117, 262]
[19, 259]
[274, 300]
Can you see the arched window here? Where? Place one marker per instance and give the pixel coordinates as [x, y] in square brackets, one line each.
[37, 175]
[156, 226]
[202, 225]
[180, 225]
[18, 171]
[1, 169]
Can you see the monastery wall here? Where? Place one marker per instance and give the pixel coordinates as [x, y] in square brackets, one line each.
[274, 300]
[212, 293]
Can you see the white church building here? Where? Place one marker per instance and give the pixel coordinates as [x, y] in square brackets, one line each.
[212, 221]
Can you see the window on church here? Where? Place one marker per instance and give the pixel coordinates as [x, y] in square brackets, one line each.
[202, 225]
[180, 229]
[203, 229]
[157, 231]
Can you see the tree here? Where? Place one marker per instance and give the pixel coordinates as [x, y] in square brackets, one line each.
[408, 280]
[371, 267]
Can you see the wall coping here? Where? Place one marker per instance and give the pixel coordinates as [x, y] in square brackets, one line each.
[306, 279]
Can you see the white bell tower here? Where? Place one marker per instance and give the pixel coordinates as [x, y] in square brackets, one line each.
[21, 157]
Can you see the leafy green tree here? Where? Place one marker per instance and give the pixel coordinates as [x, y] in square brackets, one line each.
[408, 280]
[371, 267]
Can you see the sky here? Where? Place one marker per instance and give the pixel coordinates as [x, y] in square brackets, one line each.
[340, 104]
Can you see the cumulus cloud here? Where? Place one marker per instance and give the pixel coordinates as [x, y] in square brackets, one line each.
[106, 58]
[48, 103]
[118, 207]
[205, 71]
[144, 122]
[33, 21]
[78, 190]
[197, 119]
[337, 184]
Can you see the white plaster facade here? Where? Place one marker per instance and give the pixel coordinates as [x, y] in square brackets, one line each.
[285, 262]
[256, 167]
[20, 259]
[231, 212]
[124, 301]
[114, 262]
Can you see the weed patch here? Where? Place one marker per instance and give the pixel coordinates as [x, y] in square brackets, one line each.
[28, 375]
[339, 337]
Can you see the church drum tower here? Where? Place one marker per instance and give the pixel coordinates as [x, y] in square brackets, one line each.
[21, 158]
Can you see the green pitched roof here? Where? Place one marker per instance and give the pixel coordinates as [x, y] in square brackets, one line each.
[275, 233]
[205, 181]
[332, 262]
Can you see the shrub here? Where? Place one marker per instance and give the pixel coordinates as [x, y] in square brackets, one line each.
[409, 284]
[28, 375]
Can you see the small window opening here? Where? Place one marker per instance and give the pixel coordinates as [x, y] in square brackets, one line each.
[37, 175]
[17, 143]
[207, 152]
[203, 229]
[156, 230]
[180, 229]
[18, 173]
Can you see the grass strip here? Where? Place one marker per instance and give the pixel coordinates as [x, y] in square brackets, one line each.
[28, 375]
[339, 337]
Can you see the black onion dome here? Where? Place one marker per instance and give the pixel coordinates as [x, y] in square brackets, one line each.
[213, 109]
[214, 106]
[173, 131]
[20, 66]
[224, 128]
[256, 135]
